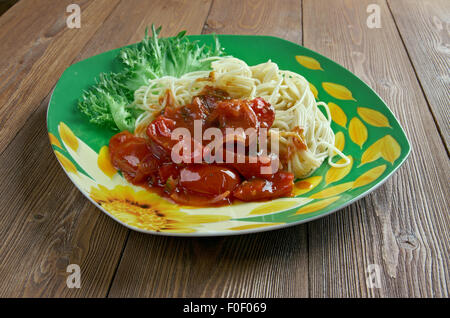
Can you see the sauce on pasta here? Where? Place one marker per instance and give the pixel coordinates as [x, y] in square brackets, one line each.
[147, 161]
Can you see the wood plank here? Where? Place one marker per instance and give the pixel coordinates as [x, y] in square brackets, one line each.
[173, 17]
[271, 264]
[25, 36]
[403, 225]
[424, 28]
[260, 17]
[25, 85]
[46, 223]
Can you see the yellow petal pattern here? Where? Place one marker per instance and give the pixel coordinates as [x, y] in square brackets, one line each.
[104, 162]
[391, 150]
[318, 205]
[336, 174]
[337, 114]
[314, 90]
[308, 62]
[373, 117]
[369, 176]
[386, 147]
[252, 226]
[66, 163]
[337, 91]
[306, 185]
[273, 206]
[357, 131]
[332, 191]
[68, 136]
[54, 141]
[373, 152]
[339, 141]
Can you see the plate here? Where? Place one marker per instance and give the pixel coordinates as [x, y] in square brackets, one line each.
[365, 129]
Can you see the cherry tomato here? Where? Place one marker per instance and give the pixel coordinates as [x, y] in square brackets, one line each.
[236, 113]
[131, 155]
[208, 179]
[264, 111]
[280, 185]
[264, 167]
[160, 131]
[119, 139]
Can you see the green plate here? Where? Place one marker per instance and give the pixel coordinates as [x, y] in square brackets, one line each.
[365, 129]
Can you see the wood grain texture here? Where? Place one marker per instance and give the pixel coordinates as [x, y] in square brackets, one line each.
[25, 36]
[269, 264]
[424, 26]
[260, 265]
[52, 224]
[402, 226]
[130, 19]
[256, 17]
[25, 85]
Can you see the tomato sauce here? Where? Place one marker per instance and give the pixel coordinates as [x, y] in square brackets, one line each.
[147, 161]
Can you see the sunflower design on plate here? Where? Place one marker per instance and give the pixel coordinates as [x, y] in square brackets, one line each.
[147, 211]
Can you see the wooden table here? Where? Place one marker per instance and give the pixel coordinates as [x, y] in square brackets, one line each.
[46, 223]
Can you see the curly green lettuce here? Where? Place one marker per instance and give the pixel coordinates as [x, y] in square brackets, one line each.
[109, 103]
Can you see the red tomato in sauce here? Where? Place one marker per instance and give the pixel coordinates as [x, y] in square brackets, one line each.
[255, 169]
[239, 113]
[131, 155]
[279, 185]
[160, 131]
[235, 113]
[264, 111]
[208, 179]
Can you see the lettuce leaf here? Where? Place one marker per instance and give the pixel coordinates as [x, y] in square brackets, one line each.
[109, 103]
